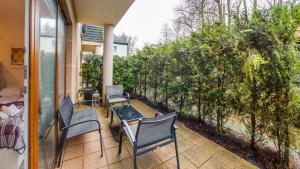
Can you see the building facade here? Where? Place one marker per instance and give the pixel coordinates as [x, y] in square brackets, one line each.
[92, 41]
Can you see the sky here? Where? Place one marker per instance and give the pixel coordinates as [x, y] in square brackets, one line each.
[145, 18]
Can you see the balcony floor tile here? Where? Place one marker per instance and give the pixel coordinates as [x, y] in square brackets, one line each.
[195, 151]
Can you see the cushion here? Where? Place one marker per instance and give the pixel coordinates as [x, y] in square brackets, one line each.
[10, 91]
[3, 115]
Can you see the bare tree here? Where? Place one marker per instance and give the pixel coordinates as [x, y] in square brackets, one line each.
[254, 5]
[167, 33]
[192, 15]
[220, 10]
[131, 41]
[229, 13]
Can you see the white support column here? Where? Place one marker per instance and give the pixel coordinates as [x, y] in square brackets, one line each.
[107, 58]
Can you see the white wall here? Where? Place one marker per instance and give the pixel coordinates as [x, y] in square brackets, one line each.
[11, 35]
[120, 50]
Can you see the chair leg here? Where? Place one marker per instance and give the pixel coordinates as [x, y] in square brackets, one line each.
[101, 142]
[176, 149]
[61, 147]
[121, 140]
[134, 158]
[107, 108]
[111, 118]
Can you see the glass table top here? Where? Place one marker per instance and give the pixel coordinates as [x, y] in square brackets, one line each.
[127, 112]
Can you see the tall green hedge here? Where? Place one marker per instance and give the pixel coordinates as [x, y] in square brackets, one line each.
[246, 72]
[219, 74]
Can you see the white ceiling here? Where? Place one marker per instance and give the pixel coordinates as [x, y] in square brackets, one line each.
[100, 12]
[14, 9]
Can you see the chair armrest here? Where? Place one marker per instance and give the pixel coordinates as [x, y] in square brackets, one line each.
[128, 131]
[127, 95]
[74, 124]
[158, 114]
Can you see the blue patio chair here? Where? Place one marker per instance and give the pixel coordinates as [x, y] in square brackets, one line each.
[115, 94]
[73, 124]
[150, 134]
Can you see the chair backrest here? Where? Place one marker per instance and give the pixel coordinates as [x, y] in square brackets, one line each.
[114, 90]
[153, 130]
[66, 112]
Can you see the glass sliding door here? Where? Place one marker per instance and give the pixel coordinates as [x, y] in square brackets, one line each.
[61, 57]
[47, 83]
[61, 63]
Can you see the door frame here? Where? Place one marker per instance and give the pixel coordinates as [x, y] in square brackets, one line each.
[33, 84]
[33, 93]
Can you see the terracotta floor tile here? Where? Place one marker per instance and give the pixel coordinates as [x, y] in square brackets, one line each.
[74, 151]
[196, 151]
[166, 152]
[123, 164]
[183, 161]
[105, 167]
[75, 141]
[148, 161]
[183, 144]
[243, 164]
[213, 163]
[161, 166]
[76, 163]
[195, 138]
[201, 152]
[110, 142]
[106, 133]
[129, 148]
[91, 147]
[91, 136]
[182, 131]
[105, 124]
[227, 157]
[94, 161]
[112, 154]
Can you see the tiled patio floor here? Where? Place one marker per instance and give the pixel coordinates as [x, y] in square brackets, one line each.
[195, 151]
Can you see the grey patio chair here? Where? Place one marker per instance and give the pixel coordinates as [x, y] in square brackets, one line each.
[76, 123]
[150, 134]
[115, 94]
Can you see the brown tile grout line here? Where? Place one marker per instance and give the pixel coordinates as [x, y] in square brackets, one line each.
[238, 162]
[184, 136]
[83, 155]
[208, 158]
[163, 163]
[182, 153]
[85, 142]
[191, 148]
[104, 151]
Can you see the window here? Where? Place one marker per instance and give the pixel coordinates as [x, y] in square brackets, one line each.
[115, 49]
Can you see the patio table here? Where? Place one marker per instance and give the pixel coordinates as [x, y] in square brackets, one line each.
[125, 112]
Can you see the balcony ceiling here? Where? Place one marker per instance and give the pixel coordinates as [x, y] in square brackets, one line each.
[100, 12]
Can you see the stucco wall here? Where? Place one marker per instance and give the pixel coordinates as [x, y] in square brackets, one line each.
[72, 60]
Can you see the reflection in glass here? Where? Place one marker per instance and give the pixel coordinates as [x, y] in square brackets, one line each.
[47, 61]
[61, 58]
